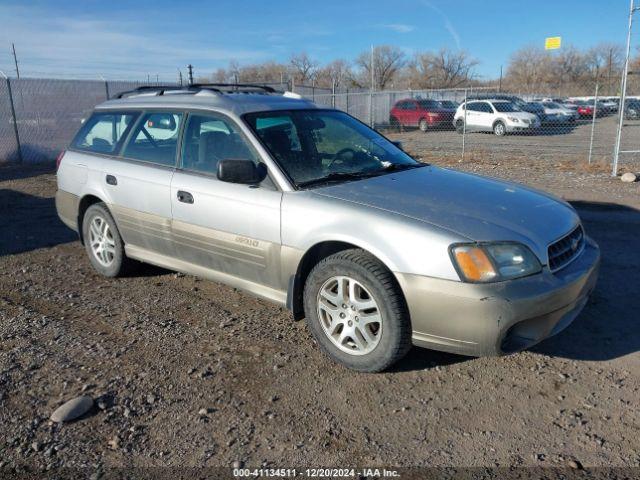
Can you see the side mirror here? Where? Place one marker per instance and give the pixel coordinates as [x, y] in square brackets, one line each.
[397, 144]
[241, 171]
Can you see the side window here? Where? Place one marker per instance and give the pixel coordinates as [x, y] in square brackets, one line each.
[411, 106]
[155, 138]
[474, 107]
[209, 139]
[102, 132]
[486, 107]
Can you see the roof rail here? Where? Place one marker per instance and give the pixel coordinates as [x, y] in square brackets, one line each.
[197, 87]
[237, 87]
[157, 89]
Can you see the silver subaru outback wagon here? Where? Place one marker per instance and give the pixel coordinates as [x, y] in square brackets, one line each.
[311, 209]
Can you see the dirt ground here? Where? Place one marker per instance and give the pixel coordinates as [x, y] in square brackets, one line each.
[187, 372]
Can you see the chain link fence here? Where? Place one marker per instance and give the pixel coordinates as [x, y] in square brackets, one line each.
[38, 118]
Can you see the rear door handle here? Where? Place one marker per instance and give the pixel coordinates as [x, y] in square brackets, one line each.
[185, 197]
[111, 180]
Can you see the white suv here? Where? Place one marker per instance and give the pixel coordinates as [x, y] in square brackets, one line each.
[497, 116]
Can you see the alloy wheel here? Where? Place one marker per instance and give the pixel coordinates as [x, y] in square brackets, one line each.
[349, 315]
[101, 240]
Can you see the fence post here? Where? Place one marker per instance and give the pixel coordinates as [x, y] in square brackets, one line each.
[15, 118]
[106, 89]
[347, 100]
[464, 126]
[593, 123]
[333, 93]
[371, 108]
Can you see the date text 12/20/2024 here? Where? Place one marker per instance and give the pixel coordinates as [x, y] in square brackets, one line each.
[315, 473]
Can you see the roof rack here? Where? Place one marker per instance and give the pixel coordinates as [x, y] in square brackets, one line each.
[237, 87]
[198, 87]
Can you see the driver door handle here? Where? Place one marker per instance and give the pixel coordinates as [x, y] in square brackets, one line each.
[185, 197]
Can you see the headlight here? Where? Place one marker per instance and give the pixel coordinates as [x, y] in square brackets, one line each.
[513, 119]
[493, 262]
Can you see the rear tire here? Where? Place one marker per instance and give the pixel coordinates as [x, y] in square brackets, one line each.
[460, 125]
[103, 242]
[395, 124]
[423, 125]
[499, 129]
[356, 312]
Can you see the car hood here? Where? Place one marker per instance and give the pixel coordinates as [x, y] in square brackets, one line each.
[475, 207]
[522, 115]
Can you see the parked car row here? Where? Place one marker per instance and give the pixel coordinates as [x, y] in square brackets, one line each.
[501, 113]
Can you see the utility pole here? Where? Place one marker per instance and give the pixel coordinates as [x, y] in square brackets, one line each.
[500, 82]
[190, 68]
[371, 117]
[157, 79]
[609, 73]
[180, 76]
[623, 92]
[15, 59]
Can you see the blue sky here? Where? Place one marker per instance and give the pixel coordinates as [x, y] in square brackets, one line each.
[117, 39]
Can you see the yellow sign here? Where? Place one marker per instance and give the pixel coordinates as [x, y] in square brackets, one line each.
[552, 43]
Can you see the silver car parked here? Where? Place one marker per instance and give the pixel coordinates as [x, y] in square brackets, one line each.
[311, 209]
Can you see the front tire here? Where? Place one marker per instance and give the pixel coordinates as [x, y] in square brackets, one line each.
[499, 129]
[355, 310]
[103, 242]
[423, 125]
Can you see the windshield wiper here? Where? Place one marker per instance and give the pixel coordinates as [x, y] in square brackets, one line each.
[342, 176]
[398, 167]
[336, 177]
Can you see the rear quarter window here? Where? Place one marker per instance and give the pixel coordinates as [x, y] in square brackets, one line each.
[103, 132]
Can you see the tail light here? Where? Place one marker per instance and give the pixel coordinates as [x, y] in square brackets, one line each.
[59, 159]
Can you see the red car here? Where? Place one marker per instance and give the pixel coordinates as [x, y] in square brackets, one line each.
[422, 113]
[585, 109]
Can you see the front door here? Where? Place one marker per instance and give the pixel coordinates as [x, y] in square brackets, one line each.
[229, 228]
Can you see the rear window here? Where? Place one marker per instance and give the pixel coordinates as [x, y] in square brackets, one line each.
[102, 132]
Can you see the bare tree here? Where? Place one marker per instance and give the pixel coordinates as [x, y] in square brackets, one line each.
[444, 69]
[335, 74]
[528, 69]
[387, 63]
[304, 68]
[604, 62]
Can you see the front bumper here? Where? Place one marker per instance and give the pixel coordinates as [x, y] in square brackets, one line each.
[498, 318]
[522, 127]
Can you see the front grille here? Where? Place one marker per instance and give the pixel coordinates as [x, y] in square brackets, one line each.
[565, 250]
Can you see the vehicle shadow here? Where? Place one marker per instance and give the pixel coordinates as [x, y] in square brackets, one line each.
[425, 359]
[28, 222]
[12, 171]
[608, 326]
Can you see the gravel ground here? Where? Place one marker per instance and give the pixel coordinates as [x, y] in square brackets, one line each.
[190, 372]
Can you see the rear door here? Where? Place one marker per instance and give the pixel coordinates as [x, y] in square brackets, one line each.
[139, 181]
[226, 227]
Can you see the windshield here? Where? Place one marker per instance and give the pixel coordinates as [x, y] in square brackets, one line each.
[505, 107]
[447, 104]
[321, 146]
[551, 105]
[428, 104]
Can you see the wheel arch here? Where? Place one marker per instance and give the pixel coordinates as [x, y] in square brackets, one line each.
[313, 255]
